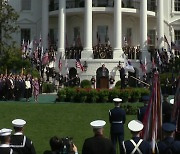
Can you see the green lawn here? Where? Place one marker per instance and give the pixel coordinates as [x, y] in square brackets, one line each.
[65, 119]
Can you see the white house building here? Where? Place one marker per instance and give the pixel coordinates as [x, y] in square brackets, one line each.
[141, 24]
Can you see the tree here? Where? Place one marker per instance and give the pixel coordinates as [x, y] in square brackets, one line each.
[8, 18]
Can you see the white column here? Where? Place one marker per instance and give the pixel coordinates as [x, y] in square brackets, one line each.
[117, 30]
[143, 29]
[61, 27]
[160, 24]
[45, 23]
[87, 51]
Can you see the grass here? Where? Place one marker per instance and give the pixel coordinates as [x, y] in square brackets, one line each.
[65, 119]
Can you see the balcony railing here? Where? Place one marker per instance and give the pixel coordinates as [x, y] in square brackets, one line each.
[100, 3]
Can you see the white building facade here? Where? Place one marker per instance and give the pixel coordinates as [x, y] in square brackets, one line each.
[139, 24]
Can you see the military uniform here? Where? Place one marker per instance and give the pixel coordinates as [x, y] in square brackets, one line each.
[117, 118]
[166, 111]
[21, 144]
[141, 113]
[168, 144]
[136, 145]
[5, 149]
[97, 145]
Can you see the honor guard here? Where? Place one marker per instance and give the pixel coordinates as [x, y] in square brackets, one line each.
[5, 141]
[19, 142]
[141, 111]
[117, 118]
[168, 145]
[136, 145]
[97, 144]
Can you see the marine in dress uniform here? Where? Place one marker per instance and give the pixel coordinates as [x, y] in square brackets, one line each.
[117, 118]
[122, 77]
[19, 142]
[5, 141]
[168, 145]
[135, 145]
[97, 144]
[142, 110]
[166, 109]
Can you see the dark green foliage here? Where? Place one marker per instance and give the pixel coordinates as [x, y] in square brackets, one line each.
[48, 87]
[118, 84]
[85, 84]
[88, 95]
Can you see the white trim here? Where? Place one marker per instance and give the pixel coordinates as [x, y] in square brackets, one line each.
[20, 146]
[4, 145]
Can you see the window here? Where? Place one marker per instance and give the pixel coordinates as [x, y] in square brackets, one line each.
[151, 37]
[26, 4]
[177, 5]
[102, 34]
[177, 37]
[25, 35]
[151, 5]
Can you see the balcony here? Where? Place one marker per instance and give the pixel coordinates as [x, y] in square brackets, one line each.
[134, 4]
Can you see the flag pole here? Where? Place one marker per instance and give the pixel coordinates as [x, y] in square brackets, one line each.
[140, 81]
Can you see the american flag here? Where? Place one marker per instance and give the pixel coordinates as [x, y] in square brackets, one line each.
[79, 65]
[153, 116]
[45, 59]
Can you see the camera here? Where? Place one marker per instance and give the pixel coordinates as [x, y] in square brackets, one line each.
[67, 145]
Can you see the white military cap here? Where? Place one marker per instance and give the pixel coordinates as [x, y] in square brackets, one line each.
[117, 100]
[172, 101]
[135, 125]
[98, 123]
[5, 132]
[18, 122]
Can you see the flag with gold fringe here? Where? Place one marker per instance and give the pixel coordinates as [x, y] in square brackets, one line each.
[153, 117]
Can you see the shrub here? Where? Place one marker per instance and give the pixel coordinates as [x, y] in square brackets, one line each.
[82, 94]
[124, 95]
[103, 95]
[118, 84]
[113, 93]
[61, 95]
[85, 84]
[48, 87]
[92, 96]
[135, 95]
[70, 94]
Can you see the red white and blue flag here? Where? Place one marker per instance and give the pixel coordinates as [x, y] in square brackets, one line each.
[79, 65]
[153, 117]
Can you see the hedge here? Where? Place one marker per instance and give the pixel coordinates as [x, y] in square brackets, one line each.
[48, 87]
[88, 95]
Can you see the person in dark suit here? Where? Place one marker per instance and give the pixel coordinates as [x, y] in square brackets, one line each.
[117, 119]
[135, 144]
[142, 110]
[5, 141]
[168, 145]
[97, 144]
[166, 109]
[19, 142]
[122, 76]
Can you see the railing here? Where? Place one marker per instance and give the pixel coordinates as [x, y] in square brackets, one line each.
[132, 52]
[102, 51]
[73, 52]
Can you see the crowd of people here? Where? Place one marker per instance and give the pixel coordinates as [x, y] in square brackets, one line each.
[18, 143]
[16, 87]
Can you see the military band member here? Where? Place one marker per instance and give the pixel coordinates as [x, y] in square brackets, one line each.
[117, 119]
[168, 145]
[111, 82]
[141, 111]
[93, 81]
[5, 141]
[77, 81]
[97, 144]
[136, 144]
[19, 142]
